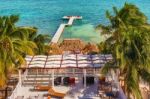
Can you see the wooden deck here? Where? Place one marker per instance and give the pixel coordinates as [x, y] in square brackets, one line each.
[62, 27]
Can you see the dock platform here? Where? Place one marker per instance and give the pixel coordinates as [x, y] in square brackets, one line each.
[62, 27]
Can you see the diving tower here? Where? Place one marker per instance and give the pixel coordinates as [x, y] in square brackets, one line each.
[62, 27]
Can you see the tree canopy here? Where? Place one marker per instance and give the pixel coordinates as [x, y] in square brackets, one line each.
[15, 43]
[129, 38]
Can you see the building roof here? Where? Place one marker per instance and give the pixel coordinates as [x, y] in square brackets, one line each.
[67, 61]
[72, 45]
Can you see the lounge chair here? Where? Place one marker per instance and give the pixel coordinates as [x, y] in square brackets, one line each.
[48, 97]
[51, 92]
[42, 88]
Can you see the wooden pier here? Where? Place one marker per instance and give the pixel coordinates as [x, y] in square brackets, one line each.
[62, 27]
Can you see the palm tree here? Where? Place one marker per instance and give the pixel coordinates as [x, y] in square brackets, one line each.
[13, 45]
[42, 42]
[129, 43]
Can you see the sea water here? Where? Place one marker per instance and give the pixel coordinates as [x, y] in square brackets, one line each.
[47, 15]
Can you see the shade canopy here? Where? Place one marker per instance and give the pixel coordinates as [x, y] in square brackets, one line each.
[68, 61]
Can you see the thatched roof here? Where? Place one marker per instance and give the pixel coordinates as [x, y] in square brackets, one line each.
[90, 48]
[55, 49]
[72, 45]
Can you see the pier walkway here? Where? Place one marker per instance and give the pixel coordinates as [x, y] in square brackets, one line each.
[62, 27]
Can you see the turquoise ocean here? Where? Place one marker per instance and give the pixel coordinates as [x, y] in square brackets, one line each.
[47, 15]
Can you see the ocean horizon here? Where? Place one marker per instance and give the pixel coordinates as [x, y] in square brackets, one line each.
[47, 15]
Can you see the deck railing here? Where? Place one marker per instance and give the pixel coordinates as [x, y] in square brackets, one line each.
[18, 86]
[15, 92]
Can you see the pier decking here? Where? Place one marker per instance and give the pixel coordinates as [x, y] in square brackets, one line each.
[62, 26]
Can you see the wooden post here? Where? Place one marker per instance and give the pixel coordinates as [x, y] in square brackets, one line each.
[6, 92]
[20, 81]
[84, 70]
[94, 72]
[53, 78]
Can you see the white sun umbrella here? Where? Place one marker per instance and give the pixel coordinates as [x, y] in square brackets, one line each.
[39, 59]
[28, 56]
[40, 56]
[36, 65]
[84, 57]
[28, 60]
[95, 57]
[99, 61]
[52, 64]
[54, 57]
[102, 57]
[69, 65]
[84, 62]
[69, 62]
[40, 64]
[69, 57]
[84, 65]
[98, 65]
[37, 62]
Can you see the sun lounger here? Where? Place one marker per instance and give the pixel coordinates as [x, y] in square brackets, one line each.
[48, 97]
[51, 92]
[42, 88]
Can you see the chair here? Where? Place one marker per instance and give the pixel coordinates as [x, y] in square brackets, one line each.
[42, 88]
[89, 80]
[57, 81]
[51, 92]
[66, 81]
[71, 81]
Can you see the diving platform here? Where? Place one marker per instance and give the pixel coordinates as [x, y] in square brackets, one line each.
[62, 27]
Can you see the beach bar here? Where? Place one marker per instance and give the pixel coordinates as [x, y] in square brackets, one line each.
[71, 74]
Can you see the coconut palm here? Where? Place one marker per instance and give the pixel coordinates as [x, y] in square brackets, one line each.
[13, 45]
[129, 43]
[42, 42]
